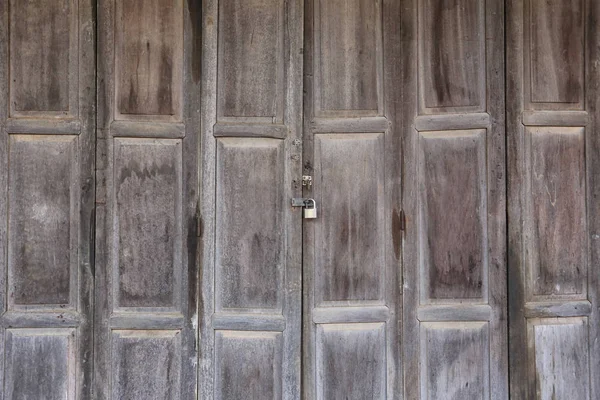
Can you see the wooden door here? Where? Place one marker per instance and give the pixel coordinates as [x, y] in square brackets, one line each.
[47, 89]
[249, 308]
[146, 200]
[352, 251]
[554, 164]
[454, 322]
[46, 201]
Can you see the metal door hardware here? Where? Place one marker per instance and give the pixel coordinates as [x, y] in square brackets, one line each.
[309, 205]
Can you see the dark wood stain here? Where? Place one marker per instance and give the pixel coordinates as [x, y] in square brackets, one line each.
[397, 228]
[456, 365]
[146, 365]
[195, 12]
[348, 56]
[452, 53]
[38, 367]
[454, 216]
[352, 366]
[350, 260]
[248, 58]
[40, 220]
[559, 218]
[146, 212]
[248, 365]
[40, 54]
[557, 51]
[148, 60]
[249, 238]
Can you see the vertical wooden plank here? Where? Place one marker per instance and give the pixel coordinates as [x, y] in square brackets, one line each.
[552, 54]
[592, 90]
[353, 250]
[249, 304]
[4, 107]
[47, 50]
[146, 275]
[438, 247]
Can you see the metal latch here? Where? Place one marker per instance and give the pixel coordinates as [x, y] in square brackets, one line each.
[309, 205]
[307, 181]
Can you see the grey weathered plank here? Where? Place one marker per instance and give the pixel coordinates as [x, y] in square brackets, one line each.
[251, 59]
[147, 222]
[352, 252]
[43, 62]
[147, 129]
[552, 179]
[438, 122]
[556, 37]
[555, 118]
[348, 315]
[249, 365]
[274, 131]
[350, 361]
[28, 319]
[455, 55]
[464, 312]
[558, 309]
[148, 58]
[40, 364]
[592, 91]
[43, 126]
[251, 108]
[455, 360]
[348, 58]
[249, 322]
[47, 124]
[146, 321]
[350, 125]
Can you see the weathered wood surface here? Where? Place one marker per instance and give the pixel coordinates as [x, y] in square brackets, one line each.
[553, 153]
[146, 200]
[352, 252]
[454, 255]
[47, 117]
[250, 298]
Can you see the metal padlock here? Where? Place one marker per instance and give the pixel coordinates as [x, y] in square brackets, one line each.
[310, 209]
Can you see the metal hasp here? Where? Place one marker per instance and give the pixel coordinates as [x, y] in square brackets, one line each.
[309, 205]
[307, 181]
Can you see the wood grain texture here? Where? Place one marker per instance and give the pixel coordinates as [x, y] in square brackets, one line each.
[348, 56]
[351, 360]
[557, 50]
[560, 358]
[148, 57]
[452, 54]
[41, 36]
[473, 43]
[454, 213]
[550, 45]
[40, 364]
[43, 220]
[148, 222]
[352, 252]
[251, 78]
[146, 201]
[250, 60]
[455, 361]
[249, 257]
[248, 365]
[350, 259]
[558, 254]
[146, 364]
